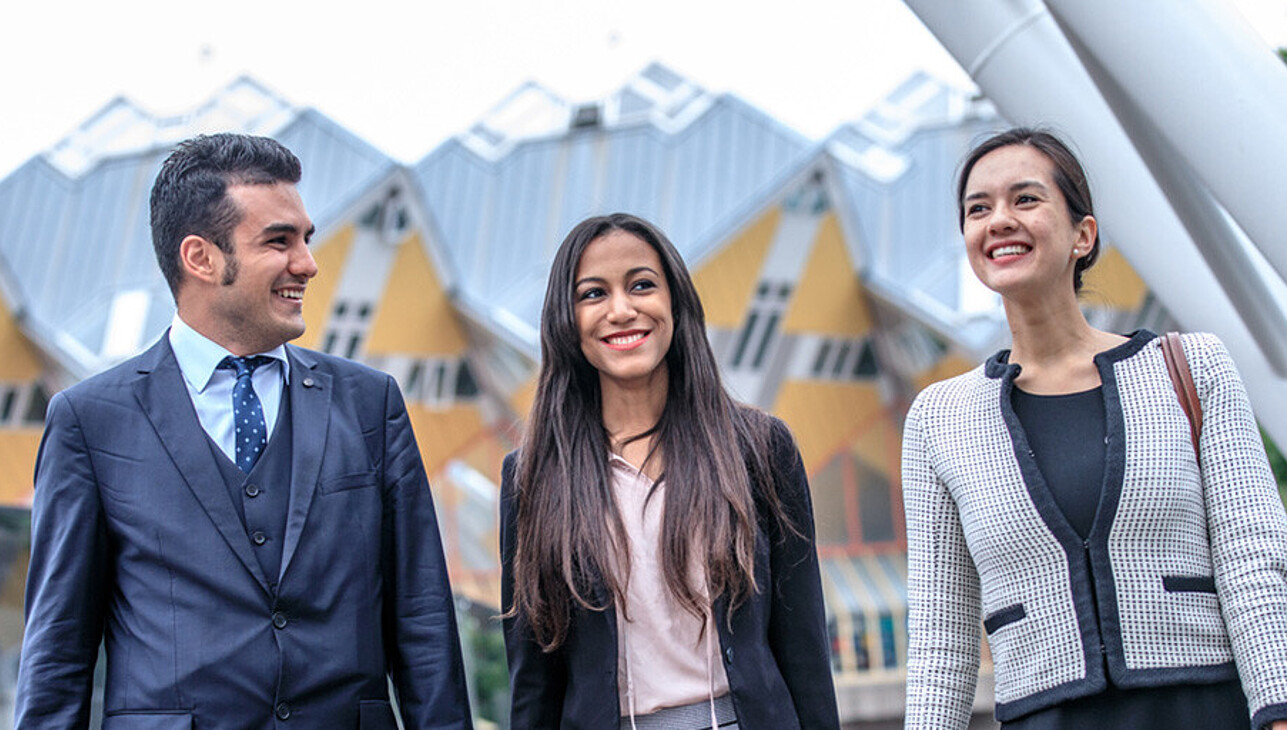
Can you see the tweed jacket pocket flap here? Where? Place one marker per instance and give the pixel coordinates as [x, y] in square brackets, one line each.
[1004, 617]
[1188, 584]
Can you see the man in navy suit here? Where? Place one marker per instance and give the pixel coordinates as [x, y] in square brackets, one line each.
[246, 524]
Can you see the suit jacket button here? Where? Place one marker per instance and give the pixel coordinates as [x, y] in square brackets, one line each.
[308, 382]
[252, 490]
[258, 537]
[279, 619]
[728, 655]
[283, 711]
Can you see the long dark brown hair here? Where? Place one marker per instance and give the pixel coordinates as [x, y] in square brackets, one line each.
[570, 536]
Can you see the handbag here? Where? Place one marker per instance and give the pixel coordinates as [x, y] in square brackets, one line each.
[1177, 366]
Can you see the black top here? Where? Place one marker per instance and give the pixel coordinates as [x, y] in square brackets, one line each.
[1066, 435]
[1209, 706]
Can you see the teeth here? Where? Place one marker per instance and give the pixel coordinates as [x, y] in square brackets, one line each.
[291, 293]
[624, 339]
[1012, 250]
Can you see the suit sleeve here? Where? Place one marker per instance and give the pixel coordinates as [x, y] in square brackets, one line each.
[537, 679]
[420, 618]
[942, 594]
[797, 630]
[67, 580]
[1248, 531]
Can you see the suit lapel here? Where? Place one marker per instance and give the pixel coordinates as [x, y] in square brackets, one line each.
[164, 398]
[310, 409]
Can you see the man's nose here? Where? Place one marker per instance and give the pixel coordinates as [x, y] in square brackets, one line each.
[302, 263]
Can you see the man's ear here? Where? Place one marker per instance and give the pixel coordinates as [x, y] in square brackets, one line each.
[201, 259]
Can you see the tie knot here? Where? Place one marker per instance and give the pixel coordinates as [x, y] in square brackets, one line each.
[244, 365]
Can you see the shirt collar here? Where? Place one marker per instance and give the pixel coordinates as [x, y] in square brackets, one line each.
[199, 356]
[620, 463]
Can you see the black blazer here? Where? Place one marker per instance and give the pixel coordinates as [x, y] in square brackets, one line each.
[775, 653]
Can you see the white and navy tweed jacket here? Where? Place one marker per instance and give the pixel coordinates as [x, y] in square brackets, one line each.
[1183, 577]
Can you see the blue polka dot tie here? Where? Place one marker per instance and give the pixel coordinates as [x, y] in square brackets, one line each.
[250, 433]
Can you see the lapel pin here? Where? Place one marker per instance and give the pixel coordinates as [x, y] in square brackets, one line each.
[308, 382]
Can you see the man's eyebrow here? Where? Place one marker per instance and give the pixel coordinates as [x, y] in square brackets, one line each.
[288, 228]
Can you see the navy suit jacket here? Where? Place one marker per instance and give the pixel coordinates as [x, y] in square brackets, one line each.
[136, 541]
[775, 650]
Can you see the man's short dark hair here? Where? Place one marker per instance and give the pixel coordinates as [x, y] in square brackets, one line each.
[190, 195]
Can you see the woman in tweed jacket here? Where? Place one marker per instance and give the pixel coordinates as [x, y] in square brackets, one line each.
[1054, 492]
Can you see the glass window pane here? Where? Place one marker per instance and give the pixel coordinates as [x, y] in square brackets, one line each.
[875, 505]
[860, 643]
[36, 405]
[828, 490]
[887, 641]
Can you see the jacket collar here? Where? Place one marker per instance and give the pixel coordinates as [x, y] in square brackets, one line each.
[310, 409]
[999, 365]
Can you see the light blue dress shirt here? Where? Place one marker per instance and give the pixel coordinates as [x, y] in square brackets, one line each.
[210, 387]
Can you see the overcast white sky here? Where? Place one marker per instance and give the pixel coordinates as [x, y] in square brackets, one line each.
[407, 75]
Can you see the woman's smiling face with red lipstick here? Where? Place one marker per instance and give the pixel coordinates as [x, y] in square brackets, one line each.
[623, 310]
[1019, 237]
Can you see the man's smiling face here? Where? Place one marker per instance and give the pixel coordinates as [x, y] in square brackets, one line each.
[259, 303]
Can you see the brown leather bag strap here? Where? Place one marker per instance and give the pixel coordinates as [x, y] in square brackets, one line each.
[1177, 366]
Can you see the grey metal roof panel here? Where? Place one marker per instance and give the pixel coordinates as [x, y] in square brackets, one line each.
[502, 220]
[32, 199]
[915, 222]
[100, 248]
[66, 252]
[101, 244]
[338, 166]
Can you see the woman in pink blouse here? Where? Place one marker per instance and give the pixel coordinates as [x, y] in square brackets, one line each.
[658, 564]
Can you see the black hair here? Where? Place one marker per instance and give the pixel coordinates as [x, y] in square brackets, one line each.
[190, 195]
